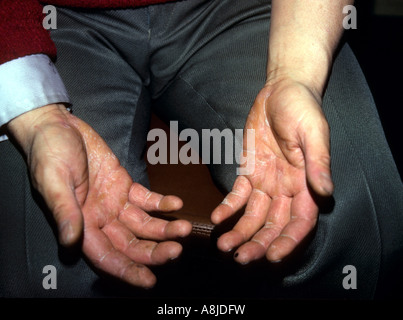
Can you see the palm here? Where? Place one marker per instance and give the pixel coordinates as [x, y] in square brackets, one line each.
[280, 209]
[91, 194]
[273, 174]
[114, 211]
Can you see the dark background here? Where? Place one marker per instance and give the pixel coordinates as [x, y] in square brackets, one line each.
[378, 45]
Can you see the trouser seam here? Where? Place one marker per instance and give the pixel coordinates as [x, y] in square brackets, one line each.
[205, 100]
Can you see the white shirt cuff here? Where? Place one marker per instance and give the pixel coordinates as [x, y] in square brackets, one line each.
[28, 83]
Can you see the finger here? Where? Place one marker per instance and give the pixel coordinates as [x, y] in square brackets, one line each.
[304, 213]
[59, 196]
[152, 201]
[106, 258]
[140, 251]
[234, 201]
[278, 217]
[253, 219]
[148, 227]
[316, 148]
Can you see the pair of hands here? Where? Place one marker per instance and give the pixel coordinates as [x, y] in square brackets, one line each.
[92, 196]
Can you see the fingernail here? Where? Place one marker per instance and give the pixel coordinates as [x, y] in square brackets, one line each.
[236, 255]
[66, 232]
[275, 261]
[326, 182]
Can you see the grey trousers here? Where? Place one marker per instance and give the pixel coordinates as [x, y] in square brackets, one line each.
[202, 63]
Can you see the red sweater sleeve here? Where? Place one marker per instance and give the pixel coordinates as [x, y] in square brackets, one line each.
[21, 30]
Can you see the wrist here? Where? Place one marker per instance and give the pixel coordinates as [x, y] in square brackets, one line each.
[24, 127]
[312, 78]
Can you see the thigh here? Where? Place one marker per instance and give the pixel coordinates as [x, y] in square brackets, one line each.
[215, 90]
[108, 94]
[370, 190]
[356, 229]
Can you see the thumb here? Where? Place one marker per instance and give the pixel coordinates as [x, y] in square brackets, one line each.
[316, 149]
[60, 197]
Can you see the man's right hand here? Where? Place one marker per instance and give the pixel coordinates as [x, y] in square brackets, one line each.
[92, 196]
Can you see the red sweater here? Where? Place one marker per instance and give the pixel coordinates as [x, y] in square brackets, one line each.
[21, 30]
